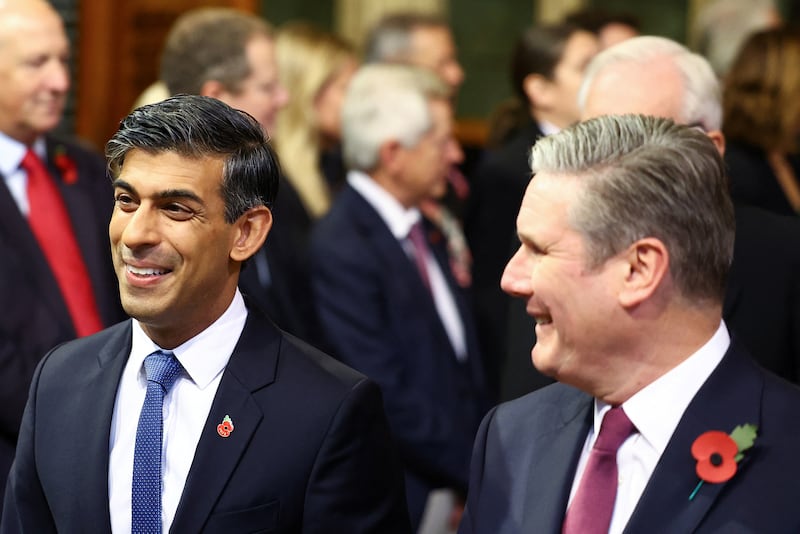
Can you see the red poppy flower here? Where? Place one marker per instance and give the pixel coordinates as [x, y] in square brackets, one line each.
[69, 172]
[224, 429]
[715, 453]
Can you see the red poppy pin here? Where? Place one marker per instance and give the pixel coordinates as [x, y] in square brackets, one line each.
[718, 454]
[66, 166]
[225, 428]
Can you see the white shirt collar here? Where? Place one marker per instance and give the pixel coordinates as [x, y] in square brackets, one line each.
[548, 128]
[657, 409]
[397, 218]
[205, 355]
[12, 152]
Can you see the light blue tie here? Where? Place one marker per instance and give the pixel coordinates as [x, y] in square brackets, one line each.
[162, 370]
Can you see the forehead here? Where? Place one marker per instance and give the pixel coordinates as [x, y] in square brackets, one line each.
[431, 41]
[580, 48]
[31, 27]
[150, 173]
[260, 50]
[633, 87]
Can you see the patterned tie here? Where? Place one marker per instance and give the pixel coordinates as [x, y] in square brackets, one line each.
[162, 370]
[417, 238]
[50, 223]
[593, 504]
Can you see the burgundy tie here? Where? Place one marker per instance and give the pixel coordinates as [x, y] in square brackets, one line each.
[593, 504]
[50, 223]
[417, 238]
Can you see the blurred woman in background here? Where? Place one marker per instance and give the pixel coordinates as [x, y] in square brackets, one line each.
[315, 66]
[761, 103]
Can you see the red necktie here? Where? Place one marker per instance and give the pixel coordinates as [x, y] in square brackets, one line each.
[417, 238]
[50, 223]
[593, 504]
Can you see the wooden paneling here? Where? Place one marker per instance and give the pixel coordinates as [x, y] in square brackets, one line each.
[119, 45]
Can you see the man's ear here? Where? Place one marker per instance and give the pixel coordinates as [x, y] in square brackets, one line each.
[646, 263]
[251, 232]
[718, 139]
[213, 88]
[537, 89]
[389, 156]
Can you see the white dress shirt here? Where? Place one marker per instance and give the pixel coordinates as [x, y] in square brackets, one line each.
[16, 179]
[655, 411]
[186, 409]
[400, 220]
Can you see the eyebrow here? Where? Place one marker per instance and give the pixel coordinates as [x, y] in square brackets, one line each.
[166, 194]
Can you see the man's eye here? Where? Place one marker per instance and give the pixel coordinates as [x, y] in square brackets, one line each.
[124, 200]
[178, 212]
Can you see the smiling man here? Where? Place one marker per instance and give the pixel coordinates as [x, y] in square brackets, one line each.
[627, 234]
[198, 415]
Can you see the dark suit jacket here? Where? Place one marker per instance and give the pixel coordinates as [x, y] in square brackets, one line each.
[380, 319]
[527, 451]
[35, 316]
[276, 278]
[753, 182]
[491, 228]
[310, 451]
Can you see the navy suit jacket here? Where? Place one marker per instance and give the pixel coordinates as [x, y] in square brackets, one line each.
[310, 450]
[35, 316]
[527, 451]
[380, 318]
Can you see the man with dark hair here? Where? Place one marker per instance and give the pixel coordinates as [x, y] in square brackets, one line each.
[241, 428]
[230, 55]
[56, 278]
[627, 232]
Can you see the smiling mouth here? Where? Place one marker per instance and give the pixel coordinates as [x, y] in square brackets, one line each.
[543, 320]
[145, 271]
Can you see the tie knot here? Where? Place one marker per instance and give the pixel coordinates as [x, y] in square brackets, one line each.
[31, 163]
[614, 430]
[163, 368]
[416, 233]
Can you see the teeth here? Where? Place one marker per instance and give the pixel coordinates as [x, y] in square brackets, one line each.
[543, 320]
[144, 272]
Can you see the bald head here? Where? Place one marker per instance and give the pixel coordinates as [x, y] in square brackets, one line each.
[653, 76]
[34, 52]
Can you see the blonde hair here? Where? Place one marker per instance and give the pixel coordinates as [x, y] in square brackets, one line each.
[308, 58]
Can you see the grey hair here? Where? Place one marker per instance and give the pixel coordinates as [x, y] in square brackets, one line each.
[386, 102]
[701, 102]
[648, 177]
[197, 127]
[390, 39]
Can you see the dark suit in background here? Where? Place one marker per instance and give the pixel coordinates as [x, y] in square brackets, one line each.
[543, 433]
[310, 452]
[381, 319]
[35, 316]
[491, 229]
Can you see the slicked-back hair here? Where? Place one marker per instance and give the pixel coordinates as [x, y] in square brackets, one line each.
[198, 127]
[701, 94]
[387, 102]
[209, 43]
[648, 177]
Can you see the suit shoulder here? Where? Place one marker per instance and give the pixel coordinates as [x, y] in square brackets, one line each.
[546, 408]
[64, 357]
[317, 367]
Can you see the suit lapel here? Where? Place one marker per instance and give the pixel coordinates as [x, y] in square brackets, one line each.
[252, 366]
[93, 409]
[545, 501]
[730, 397]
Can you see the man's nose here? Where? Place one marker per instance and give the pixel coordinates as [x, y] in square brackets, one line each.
[516, 276]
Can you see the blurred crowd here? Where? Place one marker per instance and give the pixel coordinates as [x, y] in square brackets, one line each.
[388, 246]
